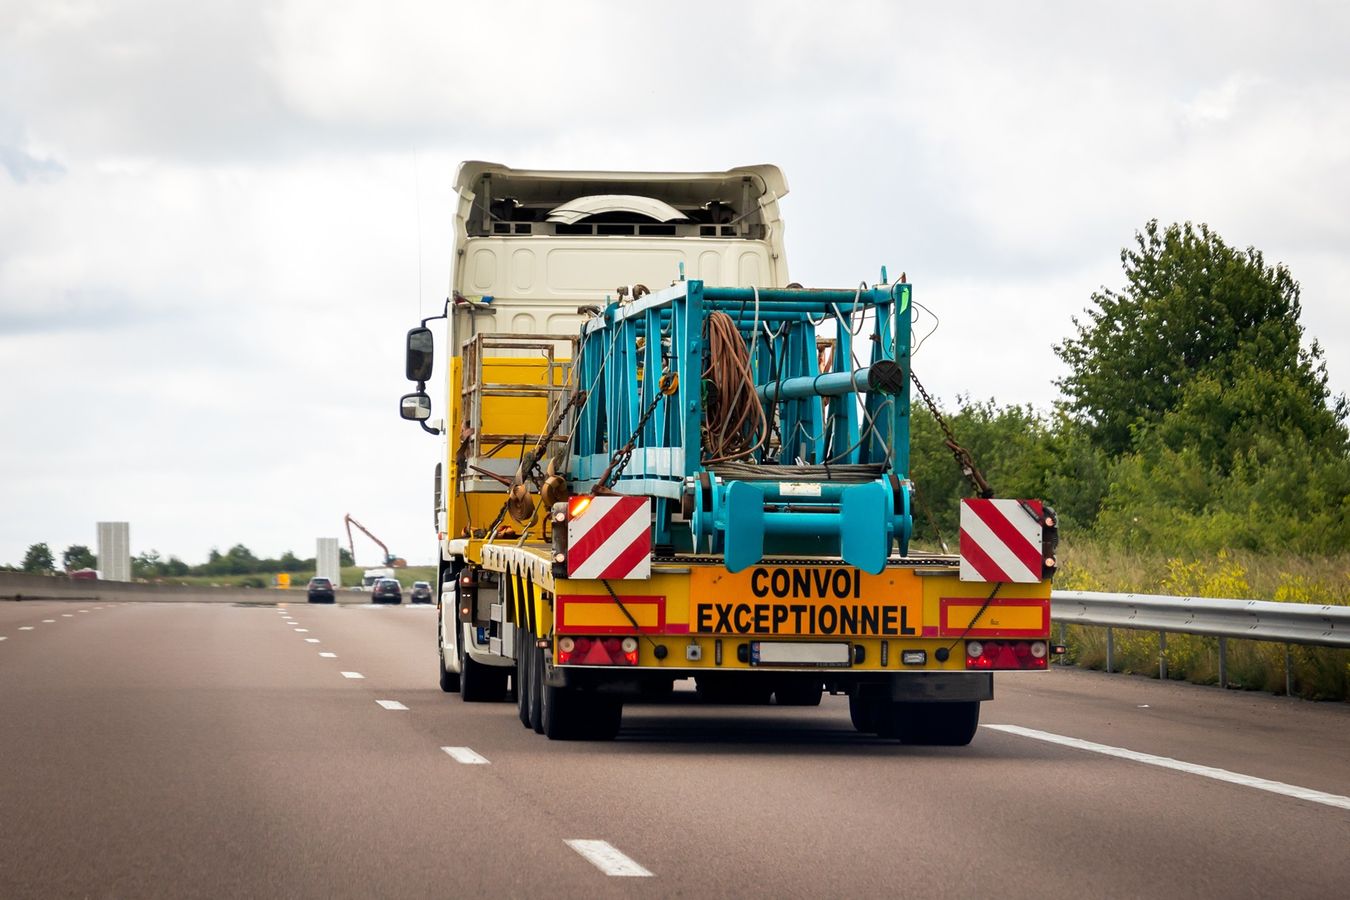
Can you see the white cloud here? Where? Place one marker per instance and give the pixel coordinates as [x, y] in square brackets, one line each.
[209, 214]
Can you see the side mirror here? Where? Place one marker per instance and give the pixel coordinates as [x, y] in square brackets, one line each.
[415, 406]
[421, 353]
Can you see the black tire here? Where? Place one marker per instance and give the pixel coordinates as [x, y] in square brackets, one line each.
[449, 680]
[571, 715]
[524, 678]
[536, 704]
[479, 683]
[863, 712]
[937, 724]
[799, 693]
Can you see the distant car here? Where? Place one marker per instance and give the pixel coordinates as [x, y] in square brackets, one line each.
[387, 590]
[321, 590]
[421, 592]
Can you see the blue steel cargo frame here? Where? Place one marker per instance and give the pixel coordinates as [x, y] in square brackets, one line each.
[664, 332]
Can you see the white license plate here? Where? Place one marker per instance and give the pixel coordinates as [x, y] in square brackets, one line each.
[800, 653]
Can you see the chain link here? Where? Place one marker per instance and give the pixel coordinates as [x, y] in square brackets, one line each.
[667, 385]
[541, 448]
[964, 461]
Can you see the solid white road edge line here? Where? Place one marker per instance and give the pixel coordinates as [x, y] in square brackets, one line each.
[328, 655]
[352, 675]
[1261, 784]
[607, 859]
[391, 704]
[466, 756]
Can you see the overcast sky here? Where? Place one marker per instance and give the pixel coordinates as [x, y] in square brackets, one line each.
[217, 219]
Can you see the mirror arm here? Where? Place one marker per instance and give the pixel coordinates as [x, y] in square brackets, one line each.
[427, 428]
[445, 314]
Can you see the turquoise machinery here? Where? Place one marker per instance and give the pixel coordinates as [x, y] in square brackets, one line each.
[763, 422]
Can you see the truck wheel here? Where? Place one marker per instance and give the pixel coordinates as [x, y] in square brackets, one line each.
[799, 693]
[479, 683]
[536, 689]
[566, 714]
[449, 680]
[570, 715]
[604, 717]
[557, 713]
[862, 709]
[937, 724]
[524, 678]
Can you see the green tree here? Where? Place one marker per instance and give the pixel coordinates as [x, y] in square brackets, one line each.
[147, 565]
[38, 560]
[78, 556]
[241, 561]
[345, 557]
[175, 567]
[1192, 306]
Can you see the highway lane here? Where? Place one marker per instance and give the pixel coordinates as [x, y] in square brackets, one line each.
[205, 750]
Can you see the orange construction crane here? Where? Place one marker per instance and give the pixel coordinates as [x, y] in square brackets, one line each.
[389, 558]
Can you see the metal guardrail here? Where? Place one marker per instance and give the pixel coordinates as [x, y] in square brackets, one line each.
[1253, 620]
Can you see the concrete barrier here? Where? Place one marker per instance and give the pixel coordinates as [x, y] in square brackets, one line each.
[21, 586]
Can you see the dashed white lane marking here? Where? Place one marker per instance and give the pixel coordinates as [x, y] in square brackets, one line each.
[302, 630]
[328, 655]
[607, 859]
[352, 675]
[466, 756]
[48, 621]
[3, 638]
[391, 704]
[25, 627]
[1261, 784]
[311, 640]
[84, 610]
[67, 615]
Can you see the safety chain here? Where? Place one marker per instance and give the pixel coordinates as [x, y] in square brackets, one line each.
[964, 460]
[669, 384]
[541, 448]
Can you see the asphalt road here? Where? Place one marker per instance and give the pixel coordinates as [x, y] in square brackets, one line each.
[205, 750]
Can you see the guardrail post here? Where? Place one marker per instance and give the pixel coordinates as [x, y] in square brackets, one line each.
[1064, 642]
[1162, 656]
[1288, 672]
[1223, 662]
[1110, 650]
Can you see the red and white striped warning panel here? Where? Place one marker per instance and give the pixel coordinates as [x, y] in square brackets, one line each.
[1001, 540]
[610, 537]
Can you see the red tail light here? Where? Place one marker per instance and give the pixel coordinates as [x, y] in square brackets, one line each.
[1006, 655]
[596, 651]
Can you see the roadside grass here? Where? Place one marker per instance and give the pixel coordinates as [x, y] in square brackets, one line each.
[1319, 673]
